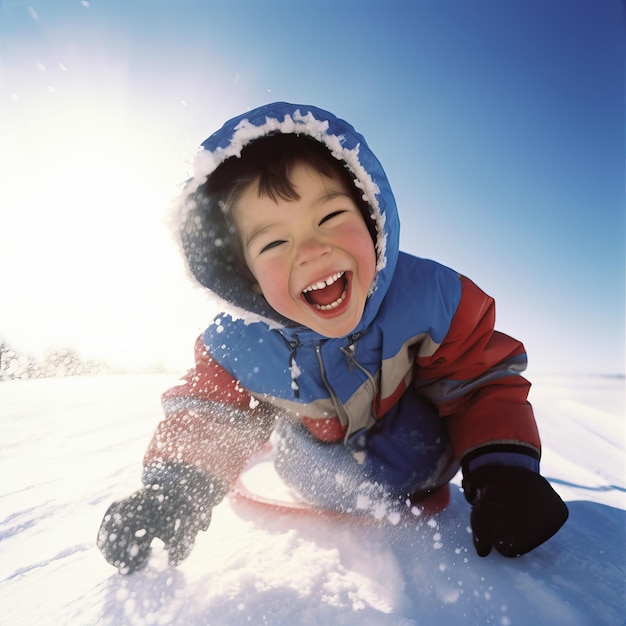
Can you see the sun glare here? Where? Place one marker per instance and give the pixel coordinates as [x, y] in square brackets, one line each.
[85, 247]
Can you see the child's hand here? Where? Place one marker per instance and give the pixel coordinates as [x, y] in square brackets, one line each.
[514, 509]
[130, 525]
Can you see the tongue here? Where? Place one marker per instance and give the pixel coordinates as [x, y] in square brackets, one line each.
[327, 295]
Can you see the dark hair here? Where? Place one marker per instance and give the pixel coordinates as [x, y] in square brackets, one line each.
[208, 235]
[270, 160]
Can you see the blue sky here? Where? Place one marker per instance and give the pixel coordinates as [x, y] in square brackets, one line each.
[500, 125]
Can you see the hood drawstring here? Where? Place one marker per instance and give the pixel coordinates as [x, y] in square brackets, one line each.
[294, 370]
[342, 414]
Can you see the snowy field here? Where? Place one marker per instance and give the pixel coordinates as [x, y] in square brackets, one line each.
[72, 445]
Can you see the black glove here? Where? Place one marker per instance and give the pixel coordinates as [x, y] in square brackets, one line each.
[514, 509]
[174, 512]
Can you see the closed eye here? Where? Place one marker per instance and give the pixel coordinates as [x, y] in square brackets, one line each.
[272, 244]
[330, 216]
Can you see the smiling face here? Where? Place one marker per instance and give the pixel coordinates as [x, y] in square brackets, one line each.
[312, 257]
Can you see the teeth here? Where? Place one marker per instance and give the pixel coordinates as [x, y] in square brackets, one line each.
[332, 305]
[324, 283]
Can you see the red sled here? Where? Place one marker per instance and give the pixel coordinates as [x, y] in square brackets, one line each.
[260, 485]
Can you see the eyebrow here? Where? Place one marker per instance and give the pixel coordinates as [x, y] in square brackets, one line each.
[325, 197]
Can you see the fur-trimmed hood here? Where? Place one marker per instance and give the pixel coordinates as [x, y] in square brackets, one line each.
[201, 244]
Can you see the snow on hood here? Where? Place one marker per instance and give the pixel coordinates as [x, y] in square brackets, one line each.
[203, 252]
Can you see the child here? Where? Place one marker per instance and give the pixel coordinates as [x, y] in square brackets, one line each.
[380, 373]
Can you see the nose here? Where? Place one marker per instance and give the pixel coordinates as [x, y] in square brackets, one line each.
[312, 249]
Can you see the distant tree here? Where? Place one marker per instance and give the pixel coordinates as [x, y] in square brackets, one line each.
[6, 356]
[60, 363]
[66, 362]
[63, 362]
[14, 365]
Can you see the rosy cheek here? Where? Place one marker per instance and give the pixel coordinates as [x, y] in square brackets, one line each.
[359, 240]
[270, 277]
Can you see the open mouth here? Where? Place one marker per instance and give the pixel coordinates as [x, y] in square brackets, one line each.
[327, 294]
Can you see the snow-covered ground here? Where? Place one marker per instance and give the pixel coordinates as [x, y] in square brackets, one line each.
[70, 446]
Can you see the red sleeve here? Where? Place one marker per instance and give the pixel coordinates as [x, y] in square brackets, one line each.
[474, 379]
[210, 422]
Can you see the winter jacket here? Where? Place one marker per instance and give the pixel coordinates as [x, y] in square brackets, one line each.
[423, 325]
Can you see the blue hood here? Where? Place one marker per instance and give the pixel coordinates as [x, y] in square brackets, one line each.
[203, 253]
